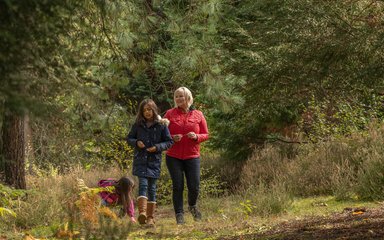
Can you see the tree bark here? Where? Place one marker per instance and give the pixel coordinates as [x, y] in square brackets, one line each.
[14, 150]
[29, 149]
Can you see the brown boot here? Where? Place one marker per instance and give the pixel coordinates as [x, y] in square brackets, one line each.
[142, 206]
[151, 206]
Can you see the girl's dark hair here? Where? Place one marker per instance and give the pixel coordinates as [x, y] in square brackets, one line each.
[124, 189]
[140, 117]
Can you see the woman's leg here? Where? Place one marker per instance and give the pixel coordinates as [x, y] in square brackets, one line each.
[175, 168]
[192, 175]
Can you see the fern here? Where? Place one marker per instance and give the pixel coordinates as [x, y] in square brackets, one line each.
[6, 211]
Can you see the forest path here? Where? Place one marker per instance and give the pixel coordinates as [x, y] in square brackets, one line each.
[359, 223]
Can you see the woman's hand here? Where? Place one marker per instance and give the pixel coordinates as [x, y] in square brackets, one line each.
[192, 135]
[151, 149]
[133, 220]
[177, 137]
[140, 144]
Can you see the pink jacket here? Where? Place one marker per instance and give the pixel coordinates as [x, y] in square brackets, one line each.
[113, 198]
[183, 123]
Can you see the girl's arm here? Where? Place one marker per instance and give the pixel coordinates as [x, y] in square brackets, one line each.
[132, 136]
[166, 140]
[131, 210]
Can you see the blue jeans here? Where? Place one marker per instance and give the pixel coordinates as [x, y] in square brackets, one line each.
[177, 169]
[148, 185]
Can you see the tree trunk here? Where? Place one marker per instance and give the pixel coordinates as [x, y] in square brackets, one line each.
[14, 150]
[1, 141]
[29, 149]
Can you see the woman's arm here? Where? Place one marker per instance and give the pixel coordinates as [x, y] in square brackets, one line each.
[203, 135]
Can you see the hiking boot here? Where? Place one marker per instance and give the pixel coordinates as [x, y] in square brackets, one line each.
[150, 213]
[195, 213]
[142, 205]
[180, 218]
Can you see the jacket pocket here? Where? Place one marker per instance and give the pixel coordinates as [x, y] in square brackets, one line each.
[193, 120]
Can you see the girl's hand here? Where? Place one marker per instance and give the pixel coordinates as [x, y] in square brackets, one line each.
[140, 144]
[152, 149]
[177, 137]
[133, 220]
[192, 135]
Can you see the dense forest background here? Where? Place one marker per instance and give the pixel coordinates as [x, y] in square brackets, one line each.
[293, 73]
[73, 73]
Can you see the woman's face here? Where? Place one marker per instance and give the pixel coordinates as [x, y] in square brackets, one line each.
[181, 100]
[147, 112]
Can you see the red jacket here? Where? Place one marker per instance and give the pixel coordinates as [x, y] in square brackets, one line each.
[183, 123]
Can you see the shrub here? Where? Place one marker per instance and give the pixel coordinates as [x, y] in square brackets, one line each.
[265, 200]
[347, 167]
[370, 178]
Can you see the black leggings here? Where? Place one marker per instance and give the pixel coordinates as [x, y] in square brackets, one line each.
[177, 169]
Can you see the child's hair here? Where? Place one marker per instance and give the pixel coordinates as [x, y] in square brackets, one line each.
[140, 117]
[124, 189]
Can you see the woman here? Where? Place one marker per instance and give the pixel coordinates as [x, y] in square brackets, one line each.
[188, 129]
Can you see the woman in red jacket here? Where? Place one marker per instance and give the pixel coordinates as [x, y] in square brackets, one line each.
[188, 129]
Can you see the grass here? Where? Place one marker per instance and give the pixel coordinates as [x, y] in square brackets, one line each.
[325, 205]
[273, 188]
[224, 216]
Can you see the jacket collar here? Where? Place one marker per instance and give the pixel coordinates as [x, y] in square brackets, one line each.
[180, 110]
[155, 122]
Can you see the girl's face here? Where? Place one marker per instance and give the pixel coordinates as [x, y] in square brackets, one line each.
[148, 112]
[181, 100]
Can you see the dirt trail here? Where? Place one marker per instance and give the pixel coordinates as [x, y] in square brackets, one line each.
[350, 224]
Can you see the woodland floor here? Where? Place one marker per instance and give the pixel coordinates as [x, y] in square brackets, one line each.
[350, 224]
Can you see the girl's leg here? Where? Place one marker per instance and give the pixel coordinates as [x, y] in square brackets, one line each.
[151, 201]
[143, 186]
[175, 168]
[152, 189]
[142, 200]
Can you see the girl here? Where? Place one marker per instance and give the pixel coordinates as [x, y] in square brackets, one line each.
[149, 137]
[122, 195]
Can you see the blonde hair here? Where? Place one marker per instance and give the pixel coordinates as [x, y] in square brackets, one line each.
[187, 94]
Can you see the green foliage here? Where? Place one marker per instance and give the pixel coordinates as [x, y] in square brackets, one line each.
[211, 185]
[347, 167]
[322, 119]
[370, 179]
[5, 212]
[113, 149]
[266, 200]
[164, 187]
[285, 52]
[8, 200]
[246, 208]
